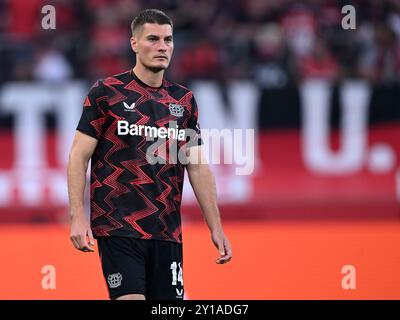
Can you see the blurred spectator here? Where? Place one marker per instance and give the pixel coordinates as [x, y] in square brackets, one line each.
[51, 66]
[320, 64]
[271, 56]
[24, 19]
[381, 59]
[201, 60]
[276, 41]
[300, 27]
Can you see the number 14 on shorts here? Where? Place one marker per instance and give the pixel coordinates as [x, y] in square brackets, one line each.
[177, 275]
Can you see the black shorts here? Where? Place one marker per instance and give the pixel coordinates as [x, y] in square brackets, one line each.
[149, 267]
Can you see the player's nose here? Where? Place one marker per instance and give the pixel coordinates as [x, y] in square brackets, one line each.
[163, 46]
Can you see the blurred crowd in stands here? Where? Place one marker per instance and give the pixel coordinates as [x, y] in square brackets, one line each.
[276, 42]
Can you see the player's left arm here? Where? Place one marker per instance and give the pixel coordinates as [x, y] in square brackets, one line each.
[203, 184]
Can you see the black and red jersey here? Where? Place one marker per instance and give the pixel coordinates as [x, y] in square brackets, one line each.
[132, 194]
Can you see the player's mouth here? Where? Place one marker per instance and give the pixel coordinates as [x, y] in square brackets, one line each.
[161, 57]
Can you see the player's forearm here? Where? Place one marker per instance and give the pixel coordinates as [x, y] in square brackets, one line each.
[203, 184]
[76, 184]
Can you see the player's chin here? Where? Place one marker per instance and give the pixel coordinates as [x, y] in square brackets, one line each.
[160, 65]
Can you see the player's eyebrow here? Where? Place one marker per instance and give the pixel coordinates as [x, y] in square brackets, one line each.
[153, 36]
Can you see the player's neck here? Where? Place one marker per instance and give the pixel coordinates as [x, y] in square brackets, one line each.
[152, 79]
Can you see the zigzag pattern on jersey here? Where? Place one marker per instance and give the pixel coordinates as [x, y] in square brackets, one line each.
[129, 196]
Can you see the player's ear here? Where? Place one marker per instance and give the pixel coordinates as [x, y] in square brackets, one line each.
[134, 44]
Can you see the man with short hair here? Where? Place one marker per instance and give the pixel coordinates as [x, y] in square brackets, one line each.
[130, 126]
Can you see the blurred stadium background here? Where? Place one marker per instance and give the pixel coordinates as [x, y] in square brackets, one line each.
[324, 101]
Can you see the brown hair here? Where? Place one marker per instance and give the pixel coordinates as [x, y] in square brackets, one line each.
[150, 16]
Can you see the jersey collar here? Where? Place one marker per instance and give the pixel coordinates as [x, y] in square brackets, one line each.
[136, 78]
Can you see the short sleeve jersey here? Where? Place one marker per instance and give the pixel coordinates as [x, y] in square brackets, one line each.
[137, 168]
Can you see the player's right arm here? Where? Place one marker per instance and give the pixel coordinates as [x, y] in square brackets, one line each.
[82, 149]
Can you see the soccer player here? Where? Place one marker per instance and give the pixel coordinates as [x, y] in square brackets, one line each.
[136, 188]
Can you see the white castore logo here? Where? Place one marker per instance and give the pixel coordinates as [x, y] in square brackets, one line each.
[179, 293]
[114, 280]
[129, 107]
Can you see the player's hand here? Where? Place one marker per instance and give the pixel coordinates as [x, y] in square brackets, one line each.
[81, 235]
[221, 242]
